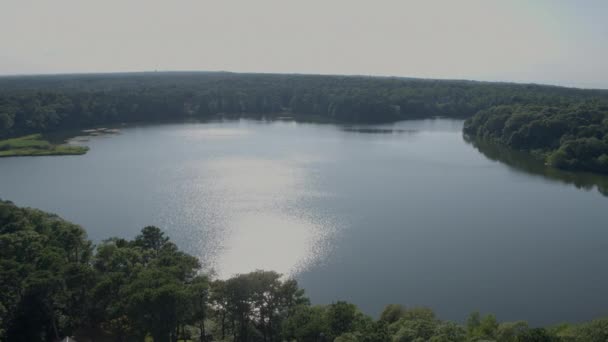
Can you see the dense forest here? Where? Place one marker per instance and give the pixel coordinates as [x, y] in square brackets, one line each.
[566, 127]
[573, 137]
[34, 104]
[55, 283]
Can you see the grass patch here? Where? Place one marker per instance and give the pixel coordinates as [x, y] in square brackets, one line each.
[36, 145]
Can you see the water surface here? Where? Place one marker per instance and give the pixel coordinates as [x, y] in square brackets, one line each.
[405, 213]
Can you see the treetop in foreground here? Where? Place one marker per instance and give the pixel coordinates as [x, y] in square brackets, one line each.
[55, 283]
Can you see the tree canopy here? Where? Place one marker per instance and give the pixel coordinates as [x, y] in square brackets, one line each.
[55, 283]
[35, 104]
[566, 127]
[573, 137]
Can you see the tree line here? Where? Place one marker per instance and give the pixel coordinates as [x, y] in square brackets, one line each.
[566, 127]
[572, 137]
[55, 283]
[38, 104]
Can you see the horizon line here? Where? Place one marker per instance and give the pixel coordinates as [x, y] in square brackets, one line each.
[84, 73]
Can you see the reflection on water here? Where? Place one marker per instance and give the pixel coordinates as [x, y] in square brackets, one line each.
[252, 241]
[378, 130]
[395, 213]
[197, 134]
[262, 204]
[523, 161]
[240, 211]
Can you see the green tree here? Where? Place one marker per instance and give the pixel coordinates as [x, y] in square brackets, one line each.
[594, 331]
[305, 323]
[392, 313]
[198, 298]
[341, 318]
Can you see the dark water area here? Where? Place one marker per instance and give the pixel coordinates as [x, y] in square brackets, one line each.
[408, 213]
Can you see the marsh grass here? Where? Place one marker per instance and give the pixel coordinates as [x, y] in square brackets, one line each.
[36, 145]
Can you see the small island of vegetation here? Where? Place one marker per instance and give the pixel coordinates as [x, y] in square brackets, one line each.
[36, 145]
[54, 283]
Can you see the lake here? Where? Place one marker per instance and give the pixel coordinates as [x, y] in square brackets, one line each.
[406, 213]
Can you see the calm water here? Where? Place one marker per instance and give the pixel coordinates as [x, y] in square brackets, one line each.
[408, 213]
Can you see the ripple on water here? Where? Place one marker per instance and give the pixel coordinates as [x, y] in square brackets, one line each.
[243, 214]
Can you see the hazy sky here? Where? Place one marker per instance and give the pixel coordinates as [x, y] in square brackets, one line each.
[543, 41]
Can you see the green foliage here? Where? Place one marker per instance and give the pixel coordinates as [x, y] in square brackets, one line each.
[47, 103]
[392, 313]
[44, 274]
[481, 328]
[594, 331]
[448, 332]
[305, 323]
[341, 318]
[568, 128]
[146, 286]
[511, 331]
[573, 137]
[54, 284]
[415, 324]
[35, 145]
[537, 335]
[28, 141]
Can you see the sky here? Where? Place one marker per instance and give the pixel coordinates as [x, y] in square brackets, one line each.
[542, 41]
